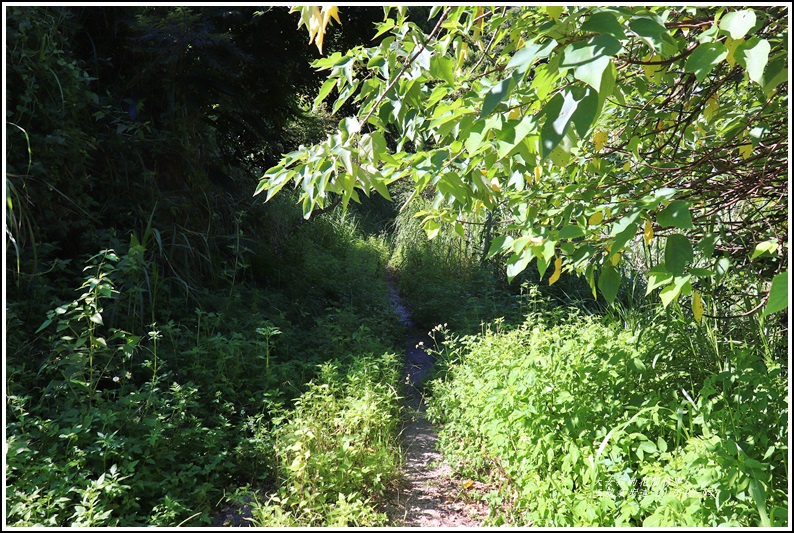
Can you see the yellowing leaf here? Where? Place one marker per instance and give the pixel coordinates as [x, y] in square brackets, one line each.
[596, 218]
[316, 21]
[600, 139]
[468, 484]
[648, 232]
[712, 106]
[654, 73]
[627, 165]
[731, 45]
[616, 259]
[514, 114]
[557, 271]
[746, 150]
[697, 306]
[495, 184]
[475, 35]
[554, 12]
[331, 12]
[538, 171]
[464, 49]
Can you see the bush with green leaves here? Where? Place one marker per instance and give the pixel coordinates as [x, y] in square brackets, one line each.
[589, 424]
[337, 449]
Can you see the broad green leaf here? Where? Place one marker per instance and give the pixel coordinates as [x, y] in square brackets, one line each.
[524, 58]
[658, 277]
[677, 254]
[495, 95]
[443, 68]
[758, 493]
[545, 77]
[44, 326]
[577, 107]
[671, 293]
[778, 294]
[722, 266]
[558, 113]
[512, 134]
[554, 12]
[753, 56]
[499, 244]
[675, 215]
[474, 141]
[707, 243]
[653, 32]
[704, 59]
[609, 282]
[589, 59]
[775, 74]
[371, 146]
[517, 263]
[604, 22]
[384, 26]
[350, 124]
[586, 110]
[432, 228]
[623, 236]
[608, 79]
[766, 247]
[570, 232]
[738, 23]
[329, 84]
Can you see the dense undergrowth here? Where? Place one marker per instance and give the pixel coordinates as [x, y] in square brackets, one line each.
[152, 425]
[581, 420]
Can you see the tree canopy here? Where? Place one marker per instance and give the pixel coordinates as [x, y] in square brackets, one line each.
[597, 140]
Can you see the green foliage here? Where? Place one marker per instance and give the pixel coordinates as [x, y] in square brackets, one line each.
[109, 426]
[576, 123]
[337, 448]
[648, 421]
[444, 279]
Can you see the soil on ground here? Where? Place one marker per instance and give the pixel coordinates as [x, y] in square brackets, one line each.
[429, 495]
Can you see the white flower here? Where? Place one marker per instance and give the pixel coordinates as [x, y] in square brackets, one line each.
[115, 379]
[128, 375]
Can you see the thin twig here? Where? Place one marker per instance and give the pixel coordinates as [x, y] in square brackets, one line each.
[407, 64]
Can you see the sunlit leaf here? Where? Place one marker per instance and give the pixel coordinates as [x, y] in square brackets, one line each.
[704, 59]
[557, 271]
[697, 306]
[738, 23]
[648, 232]
[778, 294]
[600, 140]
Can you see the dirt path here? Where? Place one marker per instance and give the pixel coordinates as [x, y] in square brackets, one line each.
[429, 496]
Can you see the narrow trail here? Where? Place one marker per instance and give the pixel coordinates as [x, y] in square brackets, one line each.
[428, 496]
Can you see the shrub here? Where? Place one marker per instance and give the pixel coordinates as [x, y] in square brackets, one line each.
[589, 426]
